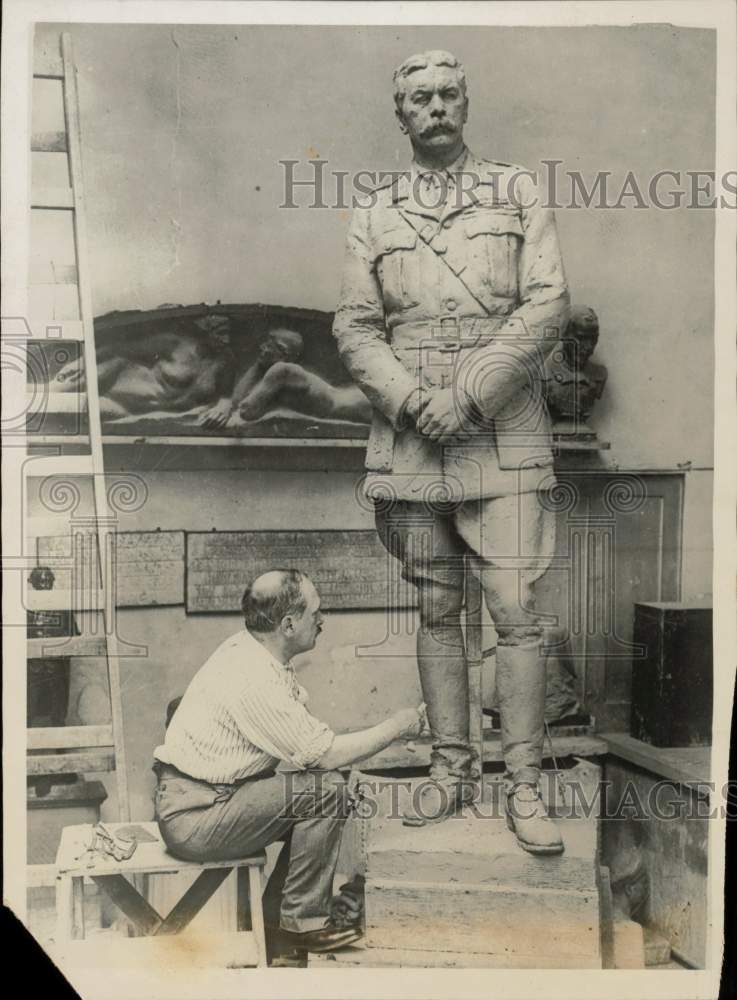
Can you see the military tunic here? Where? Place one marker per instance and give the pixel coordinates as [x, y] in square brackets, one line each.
[467, 290]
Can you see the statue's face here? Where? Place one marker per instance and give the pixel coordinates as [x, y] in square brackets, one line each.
[580, 347]
[586, 347]
[280, 345]
[434, 108]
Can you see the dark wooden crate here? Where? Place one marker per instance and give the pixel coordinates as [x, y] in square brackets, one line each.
[672, 686]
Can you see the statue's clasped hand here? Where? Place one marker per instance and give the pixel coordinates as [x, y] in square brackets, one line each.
[446, 414]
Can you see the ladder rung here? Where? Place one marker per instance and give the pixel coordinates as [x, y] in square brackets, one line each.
[70, 737]
[56, 329]
[60, 465]
[85, 762]
[53, 197]
[49, 142]
[85, 599]
[54, 648]
[48, 68]
[47, 63]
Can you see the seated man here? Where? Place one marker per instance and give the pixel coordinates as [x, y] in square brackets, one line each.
[218, 794]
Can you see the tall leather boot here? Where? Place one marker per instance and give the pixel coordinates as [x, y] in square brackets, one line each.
[520, 685]
[444, 681]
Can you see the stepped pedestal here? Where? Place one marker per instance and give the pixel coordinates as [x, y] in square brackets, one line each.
[463, 893]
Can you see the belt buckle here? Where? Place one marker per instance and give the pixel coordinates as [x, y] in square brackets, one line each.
[447, 329]
[446, 343]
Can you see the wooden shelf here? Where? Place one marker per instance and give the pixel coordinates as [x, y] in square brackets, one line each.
[201, 440]
[198, 440]
[690, 766]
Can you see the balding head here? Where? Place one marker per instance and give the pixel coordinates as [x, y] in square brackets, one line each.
[271, 597]
[423, 60]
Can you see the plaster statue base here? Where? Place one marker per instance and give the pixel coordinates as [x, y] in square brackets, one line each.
[462, 893]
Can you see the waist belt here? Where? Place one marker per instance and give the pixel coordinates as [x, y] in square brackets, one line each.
[465, 331]
[162, 770]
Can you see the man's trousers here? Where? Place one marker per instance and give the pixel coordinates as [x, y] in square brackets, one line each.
[200, 821]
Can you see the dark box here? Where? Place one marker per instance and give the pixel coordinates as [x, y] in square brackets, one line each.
[672, 687]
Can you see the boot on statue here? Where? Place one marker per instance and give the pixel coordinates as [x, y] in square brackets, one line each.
[441, 659]
[520, 684]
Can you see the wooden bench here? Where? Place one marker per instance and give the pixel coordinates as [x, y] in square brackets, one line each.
[74, 863]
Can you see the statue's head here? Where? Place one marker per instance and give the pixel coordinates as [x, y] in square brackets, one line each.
[581, 336]
[42, 578]
[430, 100]
[281, 345]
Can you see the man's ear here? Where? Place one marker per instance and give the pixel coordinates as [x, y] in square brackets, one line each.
[400, 119]
[287, 625]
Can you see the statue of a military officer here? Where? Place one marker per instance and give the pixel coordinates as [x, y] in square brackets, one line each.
[453, 294]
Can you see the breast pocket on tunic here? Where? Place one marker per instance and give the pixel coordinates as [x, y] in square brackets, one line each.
[398, 269]
[494, 241]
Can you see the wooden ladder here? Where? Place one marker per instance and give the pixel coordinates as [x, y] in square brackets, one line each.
[90, 597]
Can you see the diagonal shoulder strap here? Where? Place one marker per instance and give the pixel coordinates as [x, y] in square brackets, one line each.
[442, 257]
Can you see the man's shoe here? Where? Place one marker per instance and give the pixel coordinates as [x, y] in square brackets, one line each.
[328, 938]
[527, 818]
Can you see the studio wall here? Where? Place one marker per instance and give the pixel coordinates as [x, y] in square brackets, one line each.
[184, 184]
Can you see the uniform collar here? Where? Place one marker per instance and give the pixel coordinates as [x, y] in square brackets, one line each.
[406, 191]
[453, 168]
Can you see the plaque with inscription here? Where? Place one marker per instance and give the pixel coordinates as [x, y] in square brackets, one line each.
[149, 566]
[351, 569]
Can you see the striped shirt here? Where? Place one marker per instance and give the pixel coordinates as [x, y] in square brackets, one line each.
[242, 713]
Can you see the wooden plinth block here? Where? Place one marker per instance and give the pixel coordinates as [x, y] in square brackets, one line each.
[461, 917]
[464, 887]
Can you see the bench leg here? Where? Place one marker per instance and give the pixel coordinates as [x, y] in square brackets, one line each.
[78, 929]
[69, 908]
[243, 900]
[257, 914]
[64, 909]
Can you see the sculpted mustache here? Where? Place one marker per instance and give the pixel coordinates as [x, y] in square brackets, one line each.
[440, 127]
